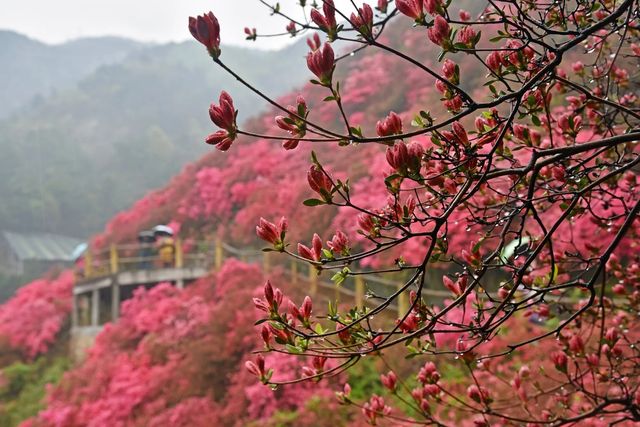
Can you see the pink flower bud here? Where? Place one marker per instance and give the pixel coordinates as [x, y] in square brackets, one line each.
[206, 30]
[478, 394]
[389, 381]
[460, 133]
[339, 244]
[449, 69]
[220, 139]
[611, 336]
[223, 115]
[305, 309]
[268, 293]
[464, 15]
[467, 36]
[411, 8]
[268, 231]
[451, 285]
[494, 61]
[326, 22]
[321, 63]
[439, 32]
[560, 361]
[390, 125]
[320, 182]
[363, 20]
[314, 42]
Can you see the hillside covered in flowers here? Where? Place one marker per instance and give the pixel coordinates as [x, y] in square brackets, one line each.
[184, 357]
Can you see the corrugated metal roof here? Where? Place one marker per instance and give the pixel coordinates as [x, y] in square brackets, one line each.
[41, 246]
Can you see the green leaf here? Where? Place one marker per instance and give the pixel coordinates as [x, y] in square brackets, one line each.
[535, 120]
[313, 202]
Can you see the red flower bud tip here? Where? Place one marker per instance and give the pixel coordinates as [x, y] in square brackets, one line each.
[439, 32]
[291, 28]
[339, 244]
[321, 63]
[257, 367]
[464, 15]
[267, 231]
[389, 381]
[293, 309]
[478, 394]
[611, 335]
[409, 324]
[223, 116]
[390, 125]
[383, 5]
[220, 139]
[593, 359]
[367, 224]
[314, 42]
[315, 252]
[460, 133]
[560, 361]
[326, 22]
[449, 69]
[452, 286]
[363, 20]
[346, 389]
[411, 8]
[454, 104]
[428, 374]
[619, 289]
[318, 363]
[494, 61]
[268, 293]
[306, 307]
[320, 182]
[266, 335]
[251, 33]
[206, 30]
[467, 36]
[260, 305]
[433, 6]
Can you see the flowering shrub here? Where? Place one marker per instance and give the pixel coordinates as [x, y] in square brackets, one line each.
[537, 166]
[167, 336]
[32, 319]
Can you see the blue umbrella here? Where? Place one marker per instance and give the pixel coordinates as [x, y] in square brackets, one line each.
[79, 251]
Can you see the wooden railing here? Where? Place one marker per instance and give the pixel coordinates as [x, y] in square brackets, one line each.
[210, 255]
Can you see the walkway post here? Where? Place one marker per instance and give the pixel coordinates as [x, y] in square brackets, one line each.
[95, 307]
[403, 303]
[313, 280]
[359, 292]
[115, 300]
[74, 312]
[88, 263]
[179, 256]
[219, 254]
[113, 258]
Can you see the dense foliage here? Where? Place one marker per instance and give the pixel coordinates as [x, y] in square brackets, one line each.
[518, 198]
[538, 165]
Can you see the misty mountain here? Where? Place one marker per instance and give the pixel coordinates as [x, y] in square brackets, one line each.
[72, 159]
[30, 68]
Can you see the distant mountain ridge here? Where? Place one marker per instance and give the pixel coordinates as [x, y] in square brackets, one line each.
[30, 68]
[116, 126]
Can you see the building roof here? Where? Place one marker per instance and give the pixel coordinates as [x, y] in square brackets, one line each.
[41, 246]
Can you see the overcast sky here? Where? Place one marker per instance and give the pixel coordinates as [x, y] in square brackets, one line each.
[55, 21]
